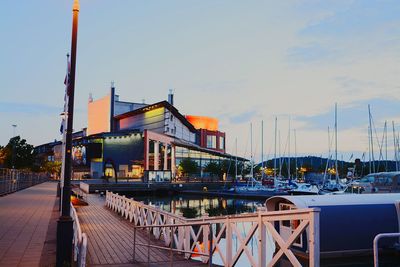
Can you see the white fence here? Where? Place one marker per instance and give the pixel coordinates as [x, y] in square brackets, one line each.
[230, 237]
[79, 241]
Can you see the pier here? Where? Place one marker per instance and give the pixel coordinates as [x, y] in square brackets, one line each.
[111, 239]
[27, 232]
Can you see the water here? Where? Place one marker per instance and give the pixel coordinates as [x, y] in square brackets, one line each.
[195, 206]
[192, 206]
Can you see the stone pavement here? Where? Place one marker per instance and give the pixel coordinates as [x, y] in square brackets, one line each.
[24, 223]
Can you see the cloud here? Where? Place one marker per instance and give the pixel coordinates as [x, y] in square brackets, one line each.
[31, 108]
[354, 115]
[310, 53]
[243, 117]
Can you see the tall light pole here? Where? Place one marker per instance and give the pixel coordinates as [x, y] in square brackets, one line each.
[65, 222]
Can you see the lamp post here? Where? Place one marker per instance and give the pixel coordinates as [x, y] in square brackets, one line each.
[65, 222]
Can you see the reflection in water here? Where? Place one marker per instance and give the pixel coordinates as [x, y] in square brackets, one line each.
[198, 206]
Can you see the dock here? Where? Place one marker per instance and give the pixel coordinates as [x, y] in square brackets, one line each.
[25, 217]
[110, 239]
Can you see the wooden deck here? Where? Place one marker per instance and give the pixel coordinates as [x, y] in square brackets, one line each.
[24, 220]
[110, 239]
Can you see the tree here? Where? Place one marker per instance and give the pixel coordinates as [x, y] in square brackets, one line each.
[52, 167]
[212, 168]
[188, 167]
[17, 153]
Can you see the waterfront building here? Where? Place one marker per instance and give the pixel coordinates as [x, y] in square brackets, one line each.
[136, 140]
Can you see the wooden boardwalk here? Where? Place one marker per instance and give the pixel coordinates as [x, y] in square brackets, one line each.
[24, 220]
[110, 239]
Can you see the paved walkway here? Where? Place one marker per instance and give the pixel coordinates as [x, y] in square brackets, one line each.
[110, 239]
[24, 220]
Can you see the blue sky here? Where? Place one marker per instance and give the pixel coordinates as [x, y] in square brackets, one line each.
[239, 61]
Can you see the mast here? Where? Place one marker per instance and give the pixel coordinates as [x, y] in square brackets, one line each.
[280, 156]
[236, 169]
[276, 122]
[372, 140]
[395, 146]
[289, 151]
[262, 149]
[336, 165]
[251, 150]
[369, 151]
[386, 147]
[295, 153]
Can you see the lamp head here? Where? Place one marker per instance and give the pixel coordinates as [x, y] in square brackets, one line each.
[76, 6]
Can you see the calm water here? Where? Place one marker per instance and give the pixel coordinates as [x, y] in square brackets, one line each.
[192, 206]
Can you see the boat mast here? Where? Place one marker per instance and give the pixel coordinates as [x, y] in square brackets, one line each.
[289, 151]
[371, 137]
[251, 150]
[236, 169]
[386, 147]
[336, 165]
[276, 122]
[395, 147]
[262, 149]
[295, 153]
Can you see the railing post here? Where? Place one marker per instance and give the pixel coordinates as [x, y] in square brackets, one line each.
[134, 243]
[211, 246]
[170, 245]
[313, 239]
[228, 242]
[262, 247]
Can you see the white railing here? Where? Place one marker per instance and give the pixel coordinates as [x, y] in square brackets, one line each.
[376, 245]
[231, 235]
[79, 240]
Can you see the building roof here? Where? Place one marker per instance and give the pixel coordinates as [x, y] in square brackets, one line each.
[180, 142]
[164, 104]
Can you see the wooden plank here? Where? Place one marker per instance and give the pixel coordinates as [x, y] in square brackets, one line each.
[110, 239]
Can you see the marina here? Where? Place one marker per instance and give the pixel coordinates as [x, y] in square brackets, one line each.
[200, 133]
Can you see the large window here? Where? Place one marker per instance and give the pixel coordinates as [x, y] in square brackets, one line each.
[211, 141]
[221, 142]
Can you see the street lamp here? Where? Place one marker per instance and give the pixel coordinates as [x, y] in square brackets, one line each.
[65, 222]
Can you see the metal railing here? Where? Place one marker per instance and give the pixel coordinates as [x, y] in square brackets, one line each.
[12, 180]
[193, 236]
[171, 248]
[79, 240]
[376, 245]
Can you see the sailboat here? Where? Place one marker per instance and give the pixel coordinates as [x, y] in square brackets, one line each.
[334, 186]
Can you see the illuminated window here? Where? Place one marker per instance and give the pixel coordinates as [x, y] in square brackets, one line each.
[221, 142]
[211, 141]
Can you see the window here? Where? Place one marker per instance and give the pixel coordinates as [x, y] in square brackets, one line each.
[221, 142]
[211, 141]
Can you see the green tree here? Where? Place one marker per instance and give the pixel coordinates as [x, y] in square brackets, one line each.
[213, 168]
[52, 167]
[17, 153]
[188, 167]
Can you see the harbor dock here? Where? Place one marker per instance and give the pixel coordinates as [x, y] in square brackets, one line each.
[25, 219]
[111, 239]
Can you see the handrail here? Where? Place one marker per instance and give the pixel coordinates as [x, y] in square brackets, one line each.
[376, 245]
[170, 248]
[12, 180]
[79, 240]
[192, 235]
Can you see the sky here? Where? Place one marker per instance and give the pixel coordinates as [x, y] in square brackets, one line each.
[242, 62]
